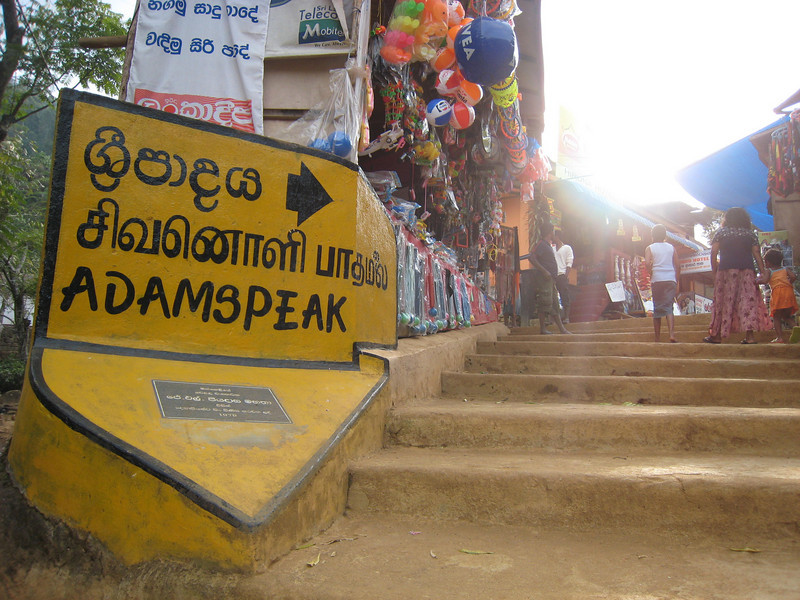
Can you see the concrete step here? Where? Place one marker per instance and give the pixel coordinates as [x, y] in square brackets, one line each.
[683, 321]
[402, 558]
[693, 336]
[683, 391]
[709, 493]
[779, 368]
[638, 325]
[552, 346]
[570, 428]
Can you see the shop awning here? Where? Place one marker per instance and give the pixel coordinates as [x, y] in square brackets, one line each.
[555, 189]
[733, 176]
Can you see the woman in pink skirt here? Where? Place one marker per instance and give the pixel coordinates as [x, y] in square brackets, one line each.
[738, 305]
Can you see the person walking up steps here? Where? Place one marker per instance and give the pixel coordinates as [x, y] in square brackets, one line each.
[738, 305]
[783, 304]
[662, 262]
[545, 271]
[564, 259]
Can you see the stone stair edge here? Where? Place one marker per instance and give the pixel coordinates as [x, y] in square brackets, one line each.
[608, 378]
[456, 404]
[576, 428]
[742, 360]
[499, 460]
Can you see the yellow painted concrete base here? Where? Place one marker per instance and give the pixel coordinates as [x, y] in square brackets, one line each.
[73, 477]
[102, 458]
[195, 363]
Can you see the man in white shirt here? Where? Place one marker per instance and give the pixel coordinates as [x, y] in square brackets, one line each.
[664, 267]
[564, 259]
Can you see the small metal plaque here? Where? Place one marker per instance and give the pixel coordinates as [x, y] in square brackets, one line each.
[216, 402]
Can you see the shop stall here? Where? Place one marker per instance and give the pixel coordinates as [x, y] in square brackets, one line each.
[439, 103]
[609, 241]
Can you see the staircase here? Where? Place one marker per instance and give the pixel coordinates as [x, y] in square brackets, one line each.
[596, 465]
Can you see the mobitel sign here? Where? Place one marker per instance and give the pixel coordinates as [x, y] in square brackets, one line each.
[204, 297]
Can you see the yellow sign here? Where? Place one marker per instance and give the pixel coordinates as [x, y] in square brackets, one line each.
[203, 297]
[203, 241]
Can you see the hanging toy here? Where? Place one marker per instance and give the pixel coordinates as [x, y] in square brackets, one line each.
[426, 153]
[444, 59]
[486, 51]
[438, 112]
[463, 115]
[446, 56]
[432, 28]
[452, 33]
[448, 82]
[363, 129]
[321, 144]
[515, 141]
[505, 93]
[340, 143]
[455, 12]
[400, 35]
[469, 92]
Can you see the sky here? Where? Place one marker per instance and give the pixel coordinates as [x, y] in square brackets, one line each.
[661, 85]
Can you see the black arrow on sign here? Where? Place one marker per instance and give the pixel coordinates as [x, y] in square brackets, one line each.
[305, 194]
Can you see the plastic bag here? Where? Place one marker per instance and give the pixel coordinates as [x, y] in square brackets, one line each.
[384, 183]
[333, 124]
[414, 31]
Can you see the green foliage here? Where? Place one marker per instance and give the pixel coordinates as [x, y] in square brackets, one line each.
[710, 220]
[24, 172]
[53, 50]
[46, 56]
[12, 373]
[36, 131]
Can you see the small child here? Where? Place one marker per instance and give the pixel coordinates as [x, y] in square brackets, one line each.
[783, 303]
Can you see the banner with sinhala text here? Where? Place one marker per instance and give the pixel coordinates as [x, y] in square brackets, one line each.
[201, 60]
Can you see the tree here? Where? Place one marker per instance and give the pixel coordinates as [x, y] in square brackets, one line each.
[24, 172]
[40, 53]
[710, 220]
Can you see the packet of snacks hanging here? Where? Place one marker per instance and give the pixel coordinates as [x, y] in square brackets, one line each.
[415, 31]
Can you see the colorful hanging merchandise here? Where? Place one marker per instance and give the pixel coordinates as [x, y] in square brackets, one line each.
[415, 31]
[504, 10]
[448, 85]
[784, 158]
[486, 51]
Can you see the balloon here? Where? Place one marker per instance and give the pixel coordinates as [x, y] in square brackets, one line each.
[455, 12]
[448, 82]
[469, 93]
[438, 112]
[451, 35]
[463, 115]
[444, 59]
[486, 51]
